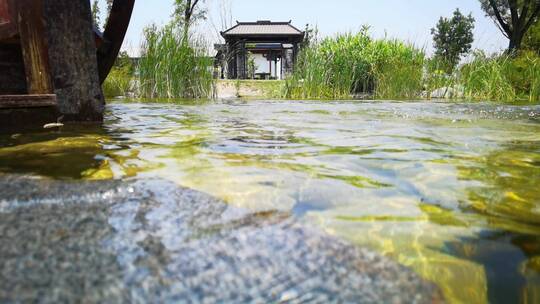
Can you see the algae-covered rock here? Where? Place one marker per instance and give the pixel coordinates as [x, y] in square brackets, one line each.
[152, 241]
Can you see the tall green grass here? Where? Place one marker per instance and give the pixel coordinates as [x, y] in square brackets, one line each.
[173, 65]
[486, 79]
[350, 64]
[524, 75]
[356, 64]
[118, 83]
[498, 77]
[398, 70]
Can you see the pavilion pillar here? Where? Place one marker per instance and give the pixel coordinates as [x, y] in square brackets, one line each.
[241, 61]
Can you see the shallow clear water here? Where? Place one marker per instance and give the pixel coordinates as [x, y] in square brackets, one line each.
[450, 190]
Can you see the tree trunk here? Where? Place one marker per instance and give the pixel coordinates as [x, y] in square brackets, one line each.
[515, 41]
[73, 59]
[187, 20]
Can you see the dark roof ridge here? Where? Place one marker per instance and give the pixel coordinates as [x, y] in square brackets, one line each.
[262, 22]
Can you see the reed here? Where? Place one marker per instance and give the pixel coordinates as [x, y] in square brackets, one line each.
[349, 64]
[485, 78]
[356, 64]
[118, 83]
[398, 70]
[501, 77]
[174, 65]
[524, 75]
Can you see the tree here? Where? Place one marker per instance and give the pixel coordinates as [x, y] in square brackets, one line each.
[109, 6]
[96, 14]
[187, 12]
[513, 17]
[453, 38]
[310, 36]
[109, 9]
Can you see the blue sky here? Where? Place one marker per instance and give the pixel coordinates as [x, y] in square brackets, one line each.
[410, 20]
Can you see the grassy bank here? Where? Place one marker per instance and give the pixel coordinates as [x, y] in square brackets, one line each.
[249, 88]
[356, 64]
[341, 67]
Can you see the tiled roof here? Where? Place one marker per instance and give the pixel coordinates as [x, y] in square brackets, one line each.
[263, 28]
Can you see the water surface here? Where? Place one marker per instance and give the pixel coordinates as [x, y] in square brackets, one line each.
[450, 190]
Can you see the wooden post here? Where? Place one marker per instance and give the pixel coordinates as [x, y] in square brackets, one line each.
[73, 59]
[34, 46]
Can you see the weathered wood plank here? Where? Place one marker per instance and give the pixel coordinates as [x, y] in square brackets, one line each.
[73, 60]
[27, 101]
[34, 46]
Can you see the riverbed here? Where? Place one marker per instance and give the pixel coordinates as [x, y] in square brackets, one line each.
[450, 190]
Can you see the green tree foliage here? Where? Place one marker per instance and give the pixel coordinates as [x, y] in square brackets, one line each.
[188, 12]
[96, 14]
[310, 35]
[453, 38]
[532, 38]
[513, 17]
[109, 6]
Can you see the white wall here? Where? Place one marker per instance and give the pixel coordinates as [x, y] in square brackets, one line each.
[277, 72]
[261, 64]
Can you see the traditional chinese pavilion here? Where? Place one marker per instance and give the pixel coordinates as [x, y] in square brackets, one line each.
[260, 50]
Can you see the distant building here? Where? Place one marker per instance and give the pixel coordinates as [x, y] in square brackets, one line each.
[260, 50]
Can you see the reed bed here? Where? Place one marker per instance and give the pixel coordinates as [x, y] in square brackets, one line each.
[487, 79]
[398, 70]
[350, 65]
[173, 65]
[498, 77]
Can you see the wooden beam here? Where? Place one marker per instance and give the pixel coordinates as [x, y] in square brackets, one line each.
[114, 34]
[34, 46]
[27, 101]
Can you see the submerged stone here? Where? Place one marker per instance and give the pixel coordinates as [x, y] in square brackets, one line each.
[153, 241]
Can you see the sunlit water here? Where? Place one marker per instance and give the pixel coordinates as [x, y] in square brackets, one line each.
[450, 190]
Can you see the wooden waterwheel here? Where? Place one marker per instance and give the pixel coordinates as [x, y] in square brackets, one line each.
[53, 60]
[110, 41]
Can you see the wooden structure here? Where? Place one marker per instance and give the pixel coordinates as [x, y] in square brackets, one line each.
[53, 61]
[262, 49]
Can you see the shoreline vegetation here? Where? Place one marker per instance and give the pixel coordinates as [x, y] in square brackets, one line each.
[346, 66]
[349, 65]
